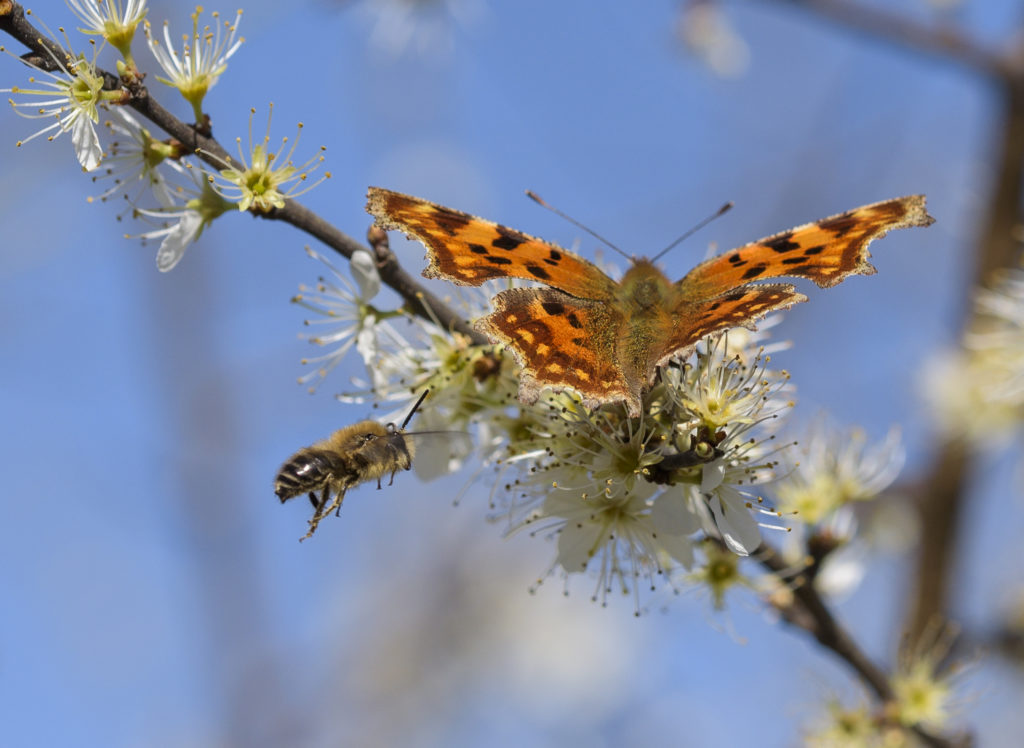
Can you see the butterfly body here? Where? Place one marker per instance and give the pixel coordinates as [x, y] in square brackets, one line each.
[606, 338]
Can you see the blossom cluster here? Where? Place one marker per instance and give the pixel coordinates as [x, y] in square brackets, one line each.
[164, 182]
[681, 494]
[678, 494]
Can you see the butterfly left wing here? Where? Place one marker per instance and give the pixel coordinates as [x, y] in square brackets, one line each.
[469, 250]
[562, 341]
[826, 251]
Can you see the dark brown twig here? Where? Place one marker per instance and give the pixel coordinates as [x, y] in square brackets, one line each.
[810, 613]
[418, 300]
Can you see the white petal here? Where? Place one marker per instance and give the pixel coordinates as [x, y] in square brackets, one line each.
[679, 547]
[712, 475]
[737, 527]
[364, 270]
[86, 142]
[173, 247]
[162, 191]
[366, 344]
[671, 514]
[576, 544]
[569, 505]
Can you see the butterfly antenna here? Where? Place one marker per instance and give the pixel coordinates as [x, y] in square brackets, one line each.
[537, 199]
[724, 209]
[414, 408]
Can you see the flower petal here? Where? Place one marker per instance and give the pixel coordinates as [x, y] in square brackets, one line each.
[86, 142]
[173, 247]
[364, 270]
[737, 527]
[712, 475]
[577, 543]
[672, 515]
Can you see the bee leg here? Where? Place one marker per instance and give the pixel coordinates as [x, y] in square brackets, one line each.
[336, 505]
[392, 477]
[318, 514]
[378, 484]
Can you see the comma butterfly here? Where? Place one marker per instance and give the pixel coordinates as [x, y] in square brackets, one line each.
[605, 338]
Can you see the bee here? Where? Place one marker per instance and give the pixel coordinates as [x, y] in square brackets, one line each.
[355, 454]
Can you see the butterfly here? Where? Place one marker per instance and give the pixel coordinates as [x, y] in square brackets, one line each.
[606, 338]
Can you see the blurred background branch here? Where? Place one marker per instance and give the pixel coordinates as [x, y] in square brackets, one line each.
[943, 492]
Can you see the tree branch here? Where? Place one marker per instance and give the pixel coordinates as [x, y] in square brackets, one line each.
[810, 613]
[418, 300]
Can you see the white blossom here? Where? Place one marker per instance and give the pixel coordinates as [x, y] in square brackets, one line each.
[182, 221]
[71, 98]
[114, 20]
[263, 179]
[203, 59]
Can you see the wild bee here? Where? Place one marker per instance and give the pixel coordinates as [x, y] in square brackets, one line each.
[355, 454]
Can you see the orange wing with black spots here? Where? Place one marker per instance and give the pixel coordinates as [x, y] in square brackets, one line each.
[561, 341]
[605, 339]
[469, 250]
[737, 308]
[826, 251]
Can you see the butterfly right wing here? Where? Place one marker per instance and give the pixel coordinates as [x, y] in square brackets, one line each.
[469, 251]
[562, 341]
[697, 319]
[826, 251]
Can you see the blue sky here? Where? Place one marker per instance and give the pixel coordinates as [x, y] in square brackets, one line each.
[154, 589]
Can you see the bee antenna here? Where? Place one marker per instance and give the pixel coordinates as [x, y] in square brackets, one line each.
[414, 408]
[724, 209]
[537, 199]
[428, 433]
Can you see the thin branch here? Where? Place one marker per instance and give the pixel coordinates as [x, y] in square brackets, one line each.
[810, 613]
[418, 300]
[813, 616]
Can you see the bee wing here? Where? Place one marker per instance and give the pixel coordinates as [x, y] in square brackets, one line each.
[439, 452]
